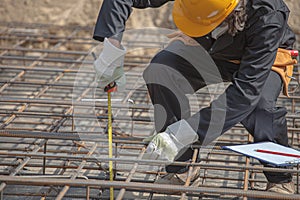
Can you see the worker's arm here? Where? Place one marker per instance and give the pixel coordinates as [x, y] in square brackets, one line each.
[111, 24]
[114, 14]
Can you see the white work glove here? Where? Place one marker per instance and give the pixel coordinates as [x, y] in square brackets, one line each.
[167, 145]
[109, 65]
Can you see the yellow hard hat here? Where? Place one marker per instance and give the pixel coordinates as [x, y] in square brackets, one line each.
[199, 17]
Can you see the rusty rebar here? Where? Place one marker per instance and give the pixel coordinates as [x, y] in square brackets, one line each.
[39, 138]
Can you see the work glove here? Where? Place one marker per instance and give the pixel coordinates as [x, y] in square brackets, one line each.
[167, 145]
[109, 65]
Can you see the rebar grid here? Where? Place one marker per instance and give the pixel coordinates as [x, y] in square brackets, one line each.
[53, 141]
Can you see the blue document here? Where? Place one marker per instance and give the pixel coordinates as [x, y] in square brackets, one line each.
[269, 152]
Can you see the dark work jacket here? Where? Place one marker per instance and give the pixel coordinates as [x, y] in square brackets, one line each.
[256, 46]
[266, 30]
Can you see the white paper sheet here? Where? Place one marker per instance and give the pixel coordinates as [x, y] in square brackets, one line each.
[278, 160]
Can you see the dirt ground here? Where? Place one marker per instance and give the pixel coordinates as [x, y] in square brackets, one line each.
[84, 12]
[79, 12]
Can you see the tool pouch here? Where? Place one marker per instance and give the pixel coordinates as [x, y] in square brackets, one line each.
[284, 65]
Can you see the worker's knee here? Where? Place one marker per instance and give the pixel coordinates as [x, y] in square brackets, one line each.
[268, 124]
[267, 101]
[153, 73]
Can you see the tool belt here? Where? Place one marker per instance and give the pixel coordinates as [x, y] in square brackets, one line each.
[283, 65]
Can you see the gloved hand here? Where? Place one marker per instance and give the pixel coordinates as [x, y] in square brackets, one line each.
[109, 65]
[166, 145]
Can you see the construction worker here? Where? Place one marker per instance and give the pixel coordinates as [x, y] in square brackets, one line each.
[242, 38]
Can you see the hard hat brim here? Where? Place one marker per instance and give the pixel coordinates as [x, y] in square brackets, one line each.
[191, 28]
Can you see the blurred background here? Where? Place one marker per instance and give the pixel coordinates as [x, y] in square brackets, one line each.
[84, 13]
[75, 12]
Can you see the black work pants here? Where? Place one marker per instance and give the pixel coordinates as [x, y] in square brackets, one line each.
[170, 76]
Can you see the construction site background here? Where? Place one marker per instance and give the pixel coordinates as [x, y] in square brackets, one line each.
[53, 132]
[84, 12]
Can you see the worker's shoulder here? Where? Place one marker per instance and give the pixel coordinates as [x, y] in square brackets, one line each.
[268, 5]
[261, 12]
[263, 9]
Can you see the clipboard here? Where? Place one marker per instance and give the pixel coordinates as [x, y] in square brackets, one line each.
[268, 152]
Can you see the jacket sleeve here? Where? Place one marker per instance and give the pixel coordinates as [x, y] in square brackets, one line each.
[114, 14]
[263, 38]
